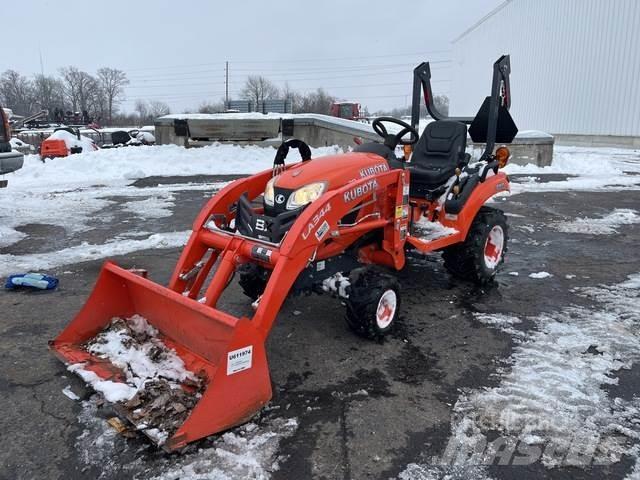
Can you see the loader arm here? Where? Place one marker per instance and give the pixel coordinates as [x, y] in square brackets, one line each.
[313, 230]
[209, 340]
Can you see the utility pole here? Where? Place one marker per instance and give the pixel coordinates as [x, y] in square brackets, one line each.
[41, 64]
[226, 85]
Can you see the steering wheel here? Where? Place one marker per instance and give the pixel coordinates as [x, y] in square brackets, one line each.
[391, 140]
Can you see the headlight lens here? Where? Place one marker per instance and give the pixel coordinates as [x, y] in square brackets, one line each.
[306, 194]
[268, 192]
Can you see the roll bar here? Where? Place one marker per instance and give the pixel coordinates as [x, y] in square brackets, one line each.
[487, 124]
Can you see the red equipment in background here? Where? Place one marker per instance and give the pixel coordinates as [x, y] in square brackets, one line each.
[348, 110]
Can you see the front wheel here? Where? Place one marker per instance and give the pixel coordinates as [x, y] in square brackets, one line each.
[373, 304]
[478, 258]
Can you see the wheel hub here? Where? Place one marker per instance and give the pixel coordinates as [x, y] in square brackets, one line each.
[493, 247]
[386, 308]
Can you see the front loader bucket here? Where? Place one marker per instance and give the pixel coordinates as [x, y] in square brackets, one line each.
[226, 352]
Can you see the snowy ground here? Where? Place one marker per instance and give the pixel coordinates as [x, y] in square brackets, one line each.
[590, 169]
[550, 403]
[541, 369]
[69, 193]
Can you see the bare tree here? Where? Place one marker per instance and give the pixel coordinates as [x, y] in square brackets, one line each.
[81, 90]
[209, 107]
[316, 102]
[258, 89]
[48, 93]
[112, 82]
[142, 109]
[294, 97]
[16, 92]
[149, 110]
[442, 104]
[158, 109]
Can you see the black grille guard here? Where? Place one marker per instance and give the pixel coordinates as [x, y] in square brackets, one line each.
[263, 227]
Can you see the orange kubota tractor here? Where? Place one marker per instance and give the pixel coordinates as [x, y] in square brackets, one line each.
[340, 223]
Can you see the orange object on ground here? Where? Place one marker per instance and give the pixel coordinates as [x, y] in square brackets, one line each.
[52, 148]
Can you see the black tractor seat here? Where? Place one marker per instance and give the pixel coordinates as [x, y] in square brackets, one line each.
[439, 151]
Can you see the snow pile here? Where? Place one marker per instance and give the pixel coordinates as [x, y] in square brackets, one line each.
[120, 166]
[70, 393]
[551, 399]
[101, 446]
[9, 236]
[134, 347]
[97, 440]
[17, 144]
[497, 319]
[153, 391]
[146, 137]
[86, 252]
[532, 134]
[427, 231]
[28, 207]
[337, 284]
[540, 275]
[72, 141]
[592, 169]
[83, 183]
[606, 225]
[431, 472]
[247, 452]
[152, 207]
[49, 207]
[112, 391]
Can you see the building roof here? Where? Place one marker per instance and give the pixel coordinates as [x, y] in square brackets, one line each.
[482, 20]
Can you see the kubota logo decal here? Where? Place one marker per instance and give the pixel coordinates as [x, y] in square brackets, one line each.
[381, 167]
[315, 220]
[280, 198]
[360, 190]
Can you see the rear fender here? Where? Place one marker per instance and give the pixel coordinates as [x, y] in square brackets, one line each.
[483, 192]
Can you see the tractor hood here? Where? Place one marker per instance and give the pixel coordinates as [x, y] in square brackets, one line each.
[336, 170]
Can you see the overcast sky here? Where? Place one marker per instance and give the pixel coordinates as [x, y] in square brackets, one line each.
[175, 51]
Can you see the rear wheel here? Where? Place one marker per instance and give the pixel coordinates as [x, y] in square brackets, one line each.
[478, 258]
[253, 280]
[373, 304]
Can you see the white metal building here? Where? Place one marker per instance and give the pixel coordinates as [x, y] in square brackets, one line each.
[575, 66]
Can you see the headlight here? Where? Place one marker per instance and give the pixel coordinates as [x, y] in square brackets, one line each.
[268, 192]
[306, 194]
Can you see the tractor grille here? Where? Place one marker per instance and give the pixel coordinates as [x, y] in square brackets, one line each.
[263, 227]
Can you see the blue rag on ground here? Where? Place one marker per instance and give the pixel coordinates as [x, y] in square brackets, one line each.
[31, 280]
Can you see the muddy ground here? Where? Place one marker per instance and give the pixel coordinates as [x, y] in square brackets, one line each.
[365, 409]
